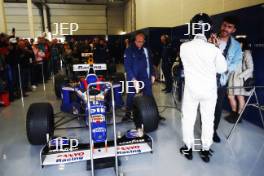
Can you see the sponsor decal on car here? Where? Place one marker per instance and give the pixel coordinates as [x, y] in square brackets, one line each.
[134, 141]
[96, 99]
[98, 118]
[99, 130]
[121, 150]
[69, 157]
[95, 110]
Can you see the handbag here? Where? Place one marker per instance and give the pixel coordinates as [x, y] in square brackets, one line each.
[249, 83]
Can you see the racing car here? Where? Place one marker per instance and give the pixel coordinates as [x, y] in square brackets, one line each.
[92, 100]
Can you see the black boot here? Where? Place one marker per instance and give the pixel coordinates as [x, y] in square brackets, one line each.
[232, 117]
[127, 117]
[216, 138]
[205, 155]
[186, 152]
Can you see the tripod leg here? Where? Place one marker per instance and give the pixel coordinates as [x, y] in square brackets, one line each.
[20, 84]
[259, 108]
[240, 115]
[43, 79]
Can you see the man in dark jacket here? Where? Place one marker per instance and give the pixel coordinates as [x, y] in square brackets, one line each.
[139, 67]
[166, 55]
[13, 61]
[100, 52]
[101, 55]
[24, 60]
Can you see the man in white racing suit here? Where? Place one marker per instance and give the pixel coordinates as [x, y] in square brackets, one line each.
[201, 61]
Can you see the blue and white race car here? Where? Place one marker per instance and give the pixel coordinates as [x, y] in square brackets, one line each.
[93, 100]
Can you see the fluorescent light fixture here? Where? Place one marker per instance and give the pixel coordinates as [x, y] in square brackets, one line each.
[241, 36]
[122, 33]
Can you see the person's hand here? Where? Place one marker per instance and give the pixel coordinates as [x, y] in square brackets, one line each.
[214, 39]
[153, 79]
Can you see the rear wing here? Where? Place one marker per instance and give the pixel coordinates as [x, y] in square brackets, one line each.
[87, 67]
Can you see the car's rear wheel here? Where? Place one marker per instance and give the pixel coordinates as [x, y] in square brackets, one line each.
[60, 80]
[39, 123]
[145, 112]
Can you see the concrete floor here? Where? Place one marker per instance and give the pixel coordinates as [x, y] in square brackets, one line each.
[243, 155]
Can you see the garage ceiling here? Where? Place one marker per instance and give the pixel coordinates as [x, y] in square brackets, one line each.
[101, 2]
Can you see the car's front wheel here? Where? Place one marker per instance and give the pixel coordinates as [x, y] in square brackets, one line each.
[39, 123]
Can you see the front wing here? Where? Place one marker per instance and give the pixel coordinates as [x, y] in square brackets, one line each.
[125, 147]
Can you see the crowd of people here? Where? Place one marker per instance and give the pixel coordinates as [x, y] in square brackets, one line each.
[24, 63]
[103, 50]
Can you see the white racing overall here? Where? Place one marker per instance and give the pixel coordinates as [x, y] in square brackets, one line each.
[201, 61]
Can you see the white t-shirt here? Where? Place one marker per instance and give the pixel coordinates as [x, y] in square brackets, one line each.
[222, 45]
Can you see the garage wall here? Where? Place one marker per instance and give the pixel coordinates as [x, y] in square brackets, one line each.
[91, 18]
[169, 13]
[17, 17]
[115, 18]
[129, 16]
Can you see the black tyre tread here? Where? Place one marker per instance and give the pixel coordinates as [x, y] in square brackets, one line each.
[39, 122]
[146, 113]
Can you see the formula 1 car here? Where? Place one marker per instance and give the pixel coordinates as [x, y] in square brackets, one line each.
[92, 100]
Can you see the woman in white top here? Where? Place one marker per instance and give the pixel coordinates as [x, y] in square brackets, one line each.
[243, 72]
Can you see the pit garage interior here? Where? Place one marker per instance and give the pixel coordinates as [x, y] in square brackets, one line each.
[116, 21]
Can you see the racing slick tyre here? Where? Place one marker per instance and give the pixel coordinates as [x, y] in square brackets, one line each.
[145, 112]
[39, 122]
[58, 83]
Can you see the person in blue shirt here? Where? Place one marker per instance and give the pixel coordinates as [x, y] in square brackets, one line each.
[138, 67]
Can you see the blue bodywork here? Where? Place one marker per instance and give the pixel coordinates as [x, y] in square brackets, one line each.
[72, 102]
